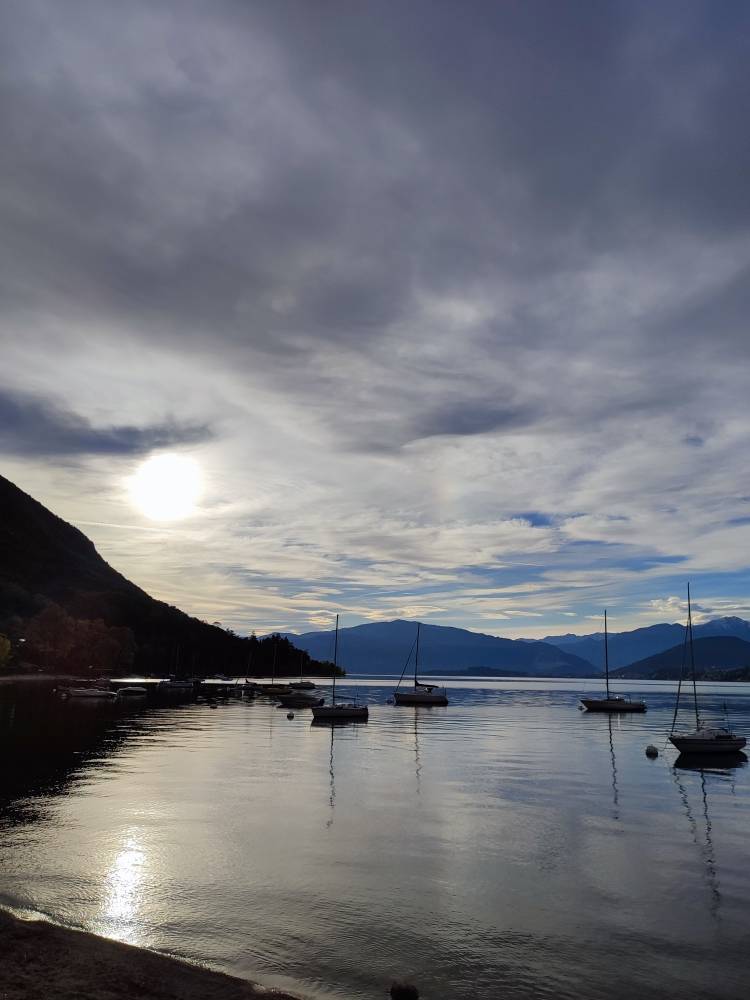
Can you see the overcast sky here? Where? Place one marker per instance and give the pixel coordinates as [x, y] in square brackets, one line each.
[448, 300]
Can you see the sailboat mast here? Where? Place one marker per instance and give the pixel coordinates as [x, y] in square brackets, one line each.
[335, 660]
[679, 683]
[416, 658]
[692, 661]
[273, 667]
[606, 654]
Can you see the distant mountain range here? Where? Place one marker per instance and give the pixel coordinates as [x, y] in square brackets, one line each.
[629, 647]
[383, 647]
[715, 657]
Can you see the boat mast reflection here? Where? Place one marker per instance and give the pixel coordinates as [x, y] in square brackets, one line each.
[615, 793]
[702, 833]
[417, 759]
[332, 796]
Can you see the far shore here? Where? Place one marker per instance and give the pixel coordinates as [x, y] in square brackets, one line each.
[40, 960]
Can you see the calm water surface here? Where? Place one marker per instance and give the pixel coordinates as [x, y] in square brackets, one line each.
[507, 846]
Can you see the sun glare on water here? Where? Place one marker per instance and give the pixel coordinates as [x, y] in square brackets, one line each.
[166, 487]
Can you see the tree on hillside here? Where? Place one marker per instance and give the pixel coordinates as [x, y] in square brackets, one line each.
[5, 651]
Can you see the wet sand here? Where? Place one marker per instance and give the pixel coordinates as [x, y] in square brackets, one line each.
[39, 961]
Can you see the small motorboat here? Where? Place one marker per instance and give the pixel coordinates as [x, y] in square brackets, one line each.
[101, 694]
[302, 685]
[300, 699]
[273, 690]
[177, 685]
[132, 691]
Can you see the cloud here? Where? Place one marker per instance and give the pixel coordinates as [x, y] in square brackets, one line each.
[36, 427]
[395, 274]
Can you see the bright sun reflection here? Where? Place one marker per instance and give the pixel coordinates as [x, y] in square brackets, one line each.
[124, 890]
[166, 487]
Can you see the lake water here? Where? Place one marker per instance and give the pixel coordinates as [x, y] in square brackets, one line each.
[506, 846]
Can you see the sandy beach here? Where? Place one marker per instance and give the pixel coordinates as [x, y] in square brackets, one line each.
[40, 961]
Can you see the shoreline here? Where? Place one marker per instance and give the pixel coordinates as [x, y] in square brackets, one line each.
[41, 959]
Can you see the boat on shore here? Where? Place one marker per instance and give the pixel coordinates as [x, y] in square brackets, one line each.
[703, 739]
[420, 694]
[611, 702]
[343, 711]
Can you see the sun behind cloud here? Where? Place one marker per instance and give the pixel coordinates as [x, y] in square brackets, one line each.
[167, 487]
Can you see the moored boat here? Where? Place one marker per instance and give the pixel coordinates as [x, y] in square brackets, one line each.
[611, 702]
[101, 694]
[343, 711]
[300, 699]
[614, 703]
[708, 740]
[420, 694]
[273, 690]
[703, 739]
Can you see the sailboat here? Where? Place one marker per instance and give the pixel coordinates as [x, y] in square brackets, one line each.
[301, 684]
[344, 711]
[703, 739]
[273, 689]
[421, 694]
[611, 702]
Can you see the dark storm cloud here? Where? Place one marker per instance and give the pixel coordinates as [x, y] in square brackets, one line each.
[34, 427]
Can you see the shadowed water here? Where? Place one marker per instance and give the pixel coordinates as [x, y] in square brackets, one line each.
[507, 846]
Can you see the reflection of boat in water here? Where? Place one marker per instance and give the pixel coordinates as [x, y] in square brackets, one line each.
[703, 739]
[611, 702]
[615, 795]
[344, 711]
[710, 763]
[712, 767]
[421, 694]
